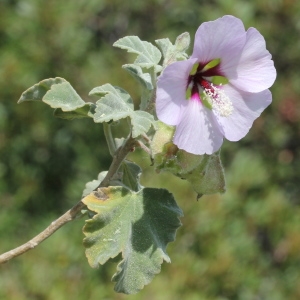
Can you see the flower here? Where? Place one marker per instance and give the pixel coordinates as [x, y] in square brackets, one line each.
[220, 90]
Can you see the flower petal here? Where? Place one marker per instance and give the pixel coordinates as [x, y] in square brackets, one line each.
[247, 107]
[198, 132]
[256, 71]
[223, 38]
[171, 88]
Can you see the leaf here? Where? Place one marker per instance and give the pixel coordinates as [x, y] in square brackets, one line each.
[145, 99]
[56, 92]
[164, 45]
[38, 91]
[148, 55]
[92, 185]
[119, 142]
[141, 122]
[143, 78]
[131, 175]
[117, 180]
[116, 104]
[182, 42]
[139, 225]
[85, 111]
[128, 177]
[116, 92]
[172, 53]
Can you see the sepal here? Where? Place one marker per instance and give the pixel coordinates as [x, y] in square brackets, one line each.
[204, 172]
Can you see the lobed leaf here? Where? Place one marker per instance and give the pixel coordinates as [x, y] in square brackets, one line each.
[172, 53]
[38, 91]
[128, 176]
[143, 78]
[146, 97]
[92, 185]
[141, 122]
[148, 55]
[182, 42]
[86, 111]
[164, 45]
[139, 225]
[131, 175]
[116, 104]
[56, 92]
[118, 93]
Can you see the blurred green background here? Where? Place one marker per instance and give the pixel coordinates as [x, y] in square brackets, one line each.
[244, 244]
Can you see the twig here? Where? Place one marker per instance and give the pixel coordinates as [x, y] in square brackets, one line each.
[72, 213]
[118, 157]
[150, 108]
[55, 225]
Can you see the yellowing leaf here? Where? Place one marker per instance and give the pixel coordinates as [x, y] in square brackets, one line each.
[139, 225]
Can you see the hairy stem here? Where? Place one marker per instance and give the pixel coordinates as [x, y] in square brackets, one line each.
[75, 211]
[109, 138]
[118, 158]
[151, 103]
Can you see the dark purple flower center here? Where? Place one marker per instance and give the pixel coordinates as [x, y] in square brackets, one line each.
[205, 83]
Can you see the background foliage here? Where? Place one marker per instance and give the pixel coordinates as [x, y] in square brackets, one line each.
[244, 244]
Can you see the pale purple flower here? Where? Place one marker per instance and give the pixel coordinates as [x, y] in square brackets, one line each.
[220, 90]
